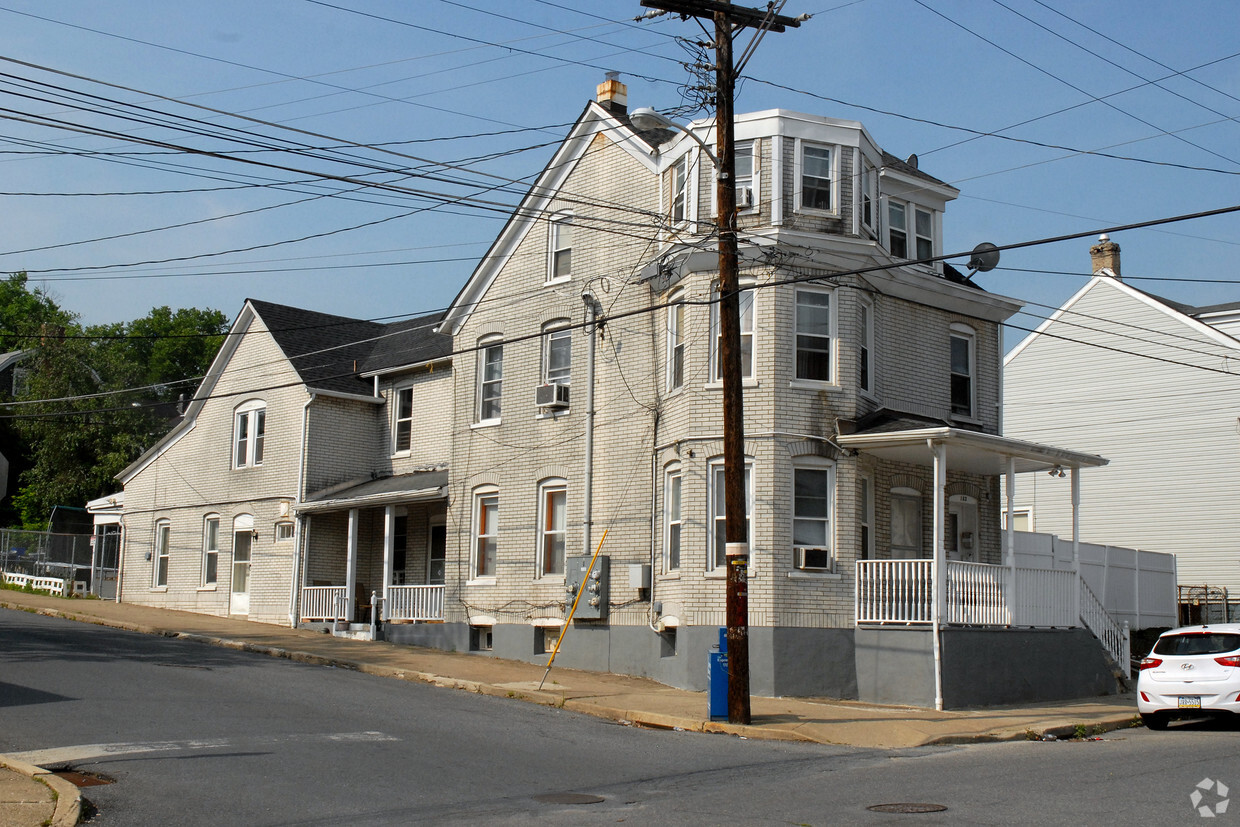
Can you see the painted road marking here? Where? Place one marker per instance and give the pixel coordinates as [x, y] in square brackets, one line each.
[82, 752]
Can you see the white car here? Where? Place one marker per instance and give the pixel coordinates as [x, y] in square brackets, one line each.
[1191, 672]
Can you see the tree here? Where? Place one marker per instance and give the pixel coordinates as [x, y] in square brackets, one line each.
[107, 392]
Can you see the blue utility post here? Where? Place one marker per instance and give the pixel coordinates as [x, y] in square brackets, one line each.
[717, 675]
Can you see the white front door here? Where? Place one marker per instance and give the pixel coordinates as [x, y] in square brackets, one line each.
[240, 603]
[960, 540]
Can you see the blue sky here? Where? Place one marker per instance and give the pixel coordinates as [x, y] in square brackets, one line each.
[477, 94]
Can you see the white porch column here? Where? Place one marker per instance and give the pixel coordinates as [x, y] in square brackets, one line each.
[938, 565]
[350, 577]
[389, 548]
[1076, 543]
[1009, 535]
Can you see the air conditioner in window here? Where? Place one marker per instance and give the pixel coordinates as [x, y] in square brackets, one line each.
[813, 559]
[551, 397]
[744, 198]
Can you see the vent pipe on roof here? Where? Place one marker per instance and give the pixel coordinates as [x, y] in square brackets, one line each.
[613, 95]
[1105, 256]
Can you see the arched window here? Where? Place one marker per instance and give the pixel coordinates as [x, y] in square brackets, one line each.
[163, 543]
[210, 550]
[560, 253]
[673, 478]
[485, 533]
[490, 378]
[906, 523]
[249, 433]
[552, 526]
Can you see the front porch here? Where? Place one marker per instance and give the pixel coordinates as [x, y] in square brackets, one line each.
[373, 553]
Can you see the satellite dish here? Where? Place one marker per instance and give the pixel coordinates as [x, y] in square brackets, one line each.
[985, 257]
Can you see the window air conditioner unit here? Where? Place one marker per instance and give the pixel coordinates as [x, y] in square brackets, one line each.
[744, 198]
[553, 396]
[813, 559]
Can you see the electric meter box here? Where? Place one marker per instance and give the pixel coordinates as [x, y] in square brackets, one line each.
[595, 586]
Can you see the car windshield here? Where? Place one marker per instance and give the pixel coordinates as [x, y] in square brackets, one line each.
[1197, 643]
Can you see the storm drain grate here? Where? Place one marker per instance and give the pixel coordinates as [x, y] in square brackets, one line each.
[84, 779]
[907, 808]
[568, 798]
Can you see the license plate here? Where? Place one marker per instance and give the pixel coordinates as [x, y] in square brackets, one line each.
[1190, 702]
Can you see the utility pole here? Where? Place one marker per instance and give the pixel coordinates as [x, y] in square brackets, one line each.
[727, 19]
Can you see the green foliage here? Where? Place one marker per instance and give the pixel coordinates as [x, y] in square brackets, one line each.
[107, 393]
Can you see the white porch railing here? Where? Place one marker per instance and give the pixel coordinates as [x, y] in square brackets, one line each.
[414, 603]
[323, 603]
[896, 592]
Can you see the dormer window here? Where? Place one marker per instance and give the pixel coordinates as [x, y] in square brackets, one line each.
[899, 216]
[680, 190]
[869, 193]
[897, 229]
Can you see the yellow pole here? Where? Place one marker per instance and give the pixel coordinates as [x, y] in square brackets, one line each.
[573, 610]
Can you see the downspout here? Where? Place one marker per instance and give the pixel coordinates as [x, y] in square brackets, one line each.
[655, 522]
[587, 493]
[938, 568]
[299, 554]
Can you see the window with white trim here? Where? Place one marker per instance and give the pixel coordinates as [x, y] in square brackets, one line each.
[560, 252]
[906, 523]
[816, 178]
[746, 300]
[865, 346]
[813, 495]
[865, 518]
[1022, 519]
[490, 380]
[485, 532]
[923, 231]
[676, 341]
[814, 335]
[672, 523]
[746, 181]
[869, 193]
[284, 530]
[963, 371]
[210, 550]
[402, 425]
[557, 353]
[249, 433]
[163, 542]
[717, 553]
[552, 526]
[679, 211]
[897, 229]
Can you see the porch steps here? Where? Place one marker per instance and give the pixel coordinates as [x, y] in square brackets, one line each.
[354, 631]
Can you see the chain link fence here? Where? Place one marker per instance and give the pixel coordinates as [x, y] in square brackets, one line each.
[78, 558]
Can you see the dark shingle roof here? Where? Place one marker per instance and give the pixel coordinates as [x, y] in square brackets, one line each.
[330, 352]
[892, 162]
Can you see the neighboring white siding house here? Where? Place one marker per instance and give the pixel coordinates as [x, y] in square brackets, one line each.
[1155, 387]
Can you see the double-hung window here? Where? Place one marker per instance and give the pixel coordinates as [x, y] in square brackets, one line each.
[490, 380]
[905, 523]
[897, 229]
[163, 541]
[485, 532]
[746, 301]
[718, 512]
[816, 177]
[865, 518]
[869, 193]
[249, 434]
[672, 480]
[560, 255]
[746, 191]
[679, 212]
[552, 526]
[210, 550]
[865, 346]
[676, 341]
[923, 230]
[962, 370]
[813, 491]
[402, 431]
[557, 363]
[813, 331]
[899, 215]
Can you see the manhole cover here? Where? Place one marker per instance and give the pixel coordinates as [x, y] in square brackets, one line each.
[907, 808]
[568, 798]
[84, 779]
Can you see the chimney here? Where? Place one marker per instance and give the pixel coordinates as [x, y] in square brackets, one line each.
[1105, 256]
[613, 95]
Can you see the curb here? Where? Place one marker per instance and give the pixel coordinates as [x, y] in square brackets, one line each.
[68, 797]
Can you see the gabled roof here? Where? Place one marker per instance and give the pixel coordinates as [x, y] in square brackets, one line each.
[1182, 313]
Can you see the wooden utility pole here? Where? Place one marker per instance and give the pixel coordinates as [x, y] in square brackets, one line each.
[727, 19]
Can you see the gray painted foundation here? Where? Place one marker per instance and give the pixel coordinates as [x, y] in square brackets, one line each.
[785, 661]
[981, 667]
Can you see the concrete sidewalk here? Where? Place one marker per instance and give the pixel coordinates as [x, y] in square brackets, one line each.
[635, 700]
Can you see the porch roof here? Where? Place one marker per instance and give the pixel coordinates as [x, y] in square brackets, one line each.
[418, 486]
[969, 451]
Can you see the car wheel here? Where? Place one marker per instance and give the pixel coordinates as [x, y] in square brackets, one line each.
[1154, 720]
